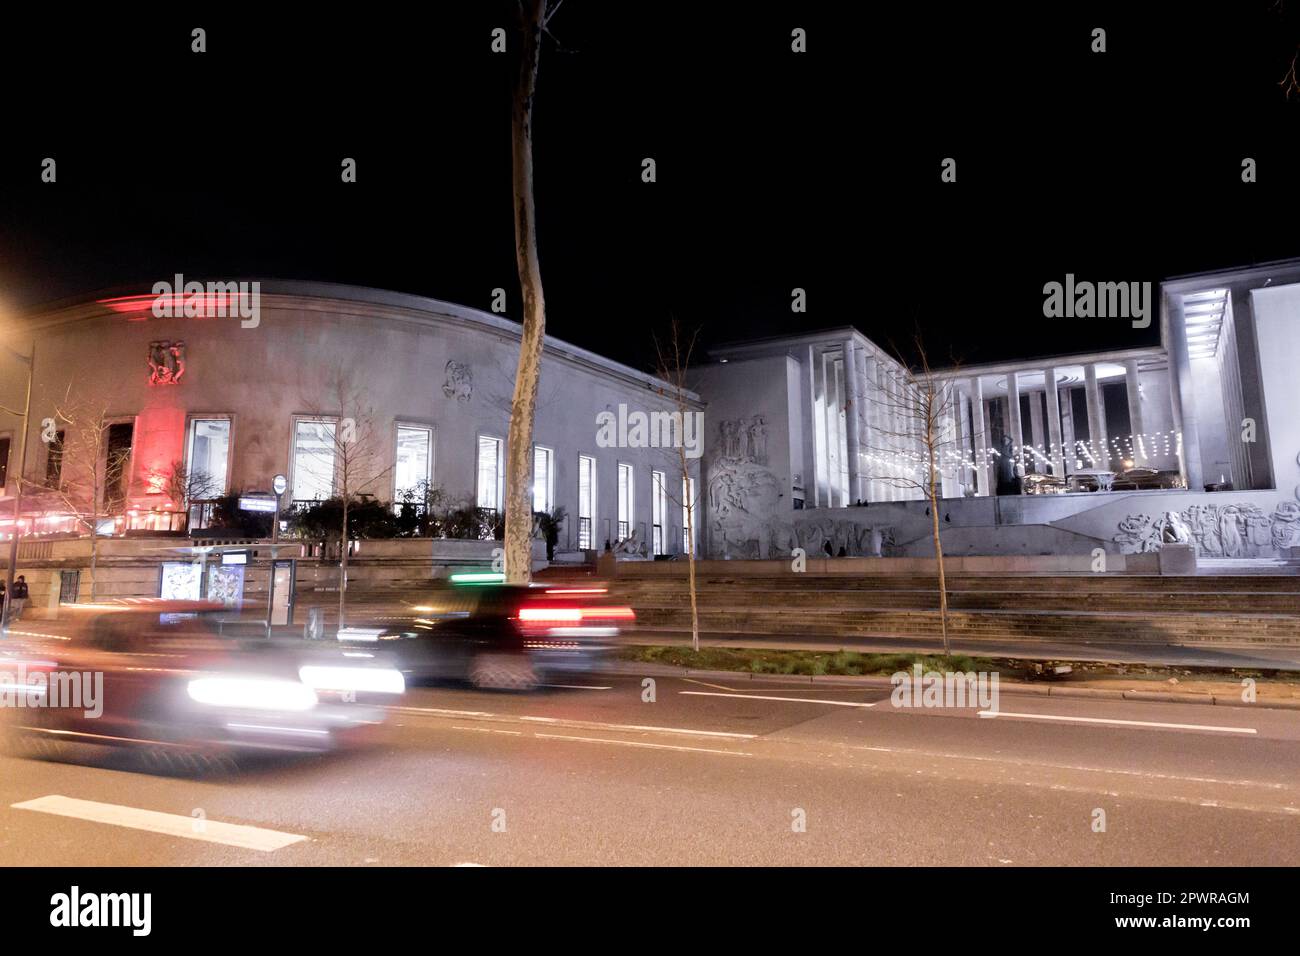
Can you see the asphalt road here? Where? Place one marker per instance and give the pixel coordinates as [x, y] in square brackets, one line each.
[707, 773]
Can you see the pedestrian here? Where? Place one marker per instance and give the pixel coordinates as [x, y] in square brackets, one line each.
[19, 599]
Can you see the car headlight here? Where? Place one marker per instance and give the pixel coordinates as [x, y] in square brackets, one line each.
[253, 693]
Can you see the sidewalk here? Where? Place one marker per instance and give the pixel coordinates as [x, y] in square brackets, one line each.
[1222, 656]
[1219, 693]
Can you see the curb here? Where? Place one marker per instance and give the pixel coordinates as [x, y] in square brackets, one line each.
[1009, 687]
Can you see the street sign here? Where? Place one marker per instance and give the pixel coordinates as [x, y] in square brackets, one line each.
[267, 504]
[234, 557]
[279, 483]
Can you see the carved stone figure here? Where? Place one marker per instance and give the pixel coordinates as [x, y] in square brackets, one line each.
[1286, 525]
[730, 439]
[1175, 531]
[166, 362]
[1230, 533]
[1240, 530]
[459, 383]
[1135, 535]
[758, 440]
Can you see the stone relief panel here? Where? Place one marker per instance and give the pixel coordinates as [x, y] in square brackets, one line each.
[459, 383]
[744, 440]
[166, 362]
[1218, 531]
[751, 518]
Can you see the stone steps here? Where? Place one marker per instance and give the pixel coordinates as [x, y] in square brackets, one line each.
[1113, 628]
[1061, 608]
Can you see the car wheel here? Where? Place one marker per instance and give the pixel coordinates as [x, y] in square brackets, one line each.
[503, 672]
[33, 745]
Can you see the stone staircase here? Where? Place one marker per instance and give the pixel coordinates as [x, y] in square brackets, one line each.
[1254, 609]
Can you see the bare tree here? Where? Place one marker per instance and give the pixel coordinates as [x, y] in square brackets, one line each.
[672, 362]
[916, 436]
[355, 450]
[90, 477]
[519, 451]
[184, 486]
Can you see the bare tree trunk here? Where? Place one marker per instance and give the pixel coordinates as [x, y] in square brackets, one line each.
[343, 565]
[932, 490]
[94, 560]
[519, 451]
[690, 546]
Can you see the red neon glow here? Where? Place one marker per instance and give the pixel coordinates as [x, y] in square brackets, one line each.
[205, 305]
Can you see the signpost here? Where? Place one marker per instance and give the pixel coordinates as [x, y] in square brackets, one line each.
[268, 503]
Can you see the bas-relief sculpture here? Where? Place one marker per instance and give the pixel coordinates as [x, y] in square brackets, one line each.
[459, 383]
[1218, 531]
[166, 362]
[747, 510]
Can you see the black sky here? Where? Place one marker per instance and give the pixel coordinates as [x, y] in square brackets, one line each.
[775, 170]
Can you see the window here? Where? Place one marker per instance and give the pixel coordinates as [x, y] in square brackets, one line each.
[54, 461]
[691, 524]
[4, 462]
[117, 466]
[207, 457]
[313, 460]
[658, 509]
[413, 461]
[625, 490]
[543, 479]
[586, 500]
[490, 484]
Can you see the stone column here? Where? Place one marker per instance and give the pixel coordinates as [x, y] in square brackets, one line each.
[1133, 387]
[1067, 431]
[965, 434]
[1056, 448]
[980, 423]
[1033, 462]
[810, 480]
[1184, 399]
[1013, 418]
[1096, 418]
[870, 446]
[852, 420]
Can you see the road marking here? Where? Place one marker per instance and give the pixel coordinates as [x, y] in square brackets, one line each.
[637, 743]
[644, 727]
[1121, 723]
[488, 730]
[172, 824]
[706, 684]
[577, 686]
[1145, 774]
[442, 711]
[792, 700]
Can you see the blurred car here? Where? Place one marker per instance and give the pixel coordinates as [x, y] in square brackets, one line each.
[166, 677]
[497, 635]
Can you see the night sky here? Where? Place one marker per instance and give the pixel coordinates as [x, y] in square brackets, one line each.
[775, 170]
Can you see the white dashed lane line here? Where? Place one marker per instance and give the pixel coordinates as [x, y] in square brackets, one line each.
[170, 824]
[1115, 721]
[788, 700]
